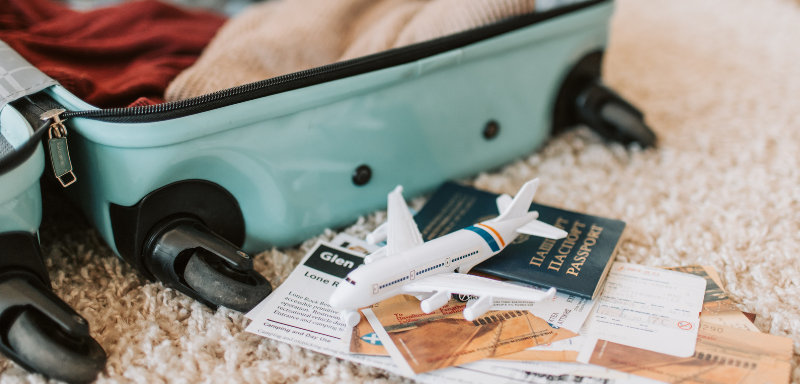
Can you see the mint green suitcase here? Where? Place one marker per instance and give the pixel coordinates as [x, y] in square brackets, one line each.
[182, 190]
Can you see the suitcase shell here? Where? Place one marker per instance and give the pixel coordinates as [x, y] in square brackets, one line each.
[20, 196]
[288, 159]
[26, 297]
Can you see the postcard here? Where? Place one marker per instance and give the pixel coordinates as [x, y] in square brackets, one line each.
[562, 311]
[565, 351]
[424, 342]
[723, 355]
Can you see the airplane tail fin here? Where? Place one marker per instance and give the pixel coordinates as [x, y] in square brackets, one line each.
[503, 202]
[521, 203]
[519, 206]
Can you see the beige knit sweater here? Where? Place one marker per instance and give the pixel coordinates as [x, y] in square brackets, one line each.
[284, 36]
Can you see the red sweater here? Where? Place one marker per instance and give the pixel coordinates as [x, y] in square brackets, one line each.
[109, 57]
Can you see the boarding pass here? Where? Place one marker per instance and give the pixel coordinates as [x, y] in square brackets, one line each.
[647, 308]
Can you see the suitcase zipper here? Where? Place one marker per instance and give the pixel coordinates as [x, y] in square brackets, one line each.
[381, 60]
[59, 150]
[197, 104]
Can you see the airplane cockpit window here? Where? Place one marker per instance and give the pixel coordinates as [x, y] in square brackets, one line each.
[347, 279]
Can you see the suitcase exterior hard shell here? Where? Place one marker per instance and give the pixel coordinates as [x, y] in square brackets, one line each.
[27, 304]
[20, 196]
[288, 159]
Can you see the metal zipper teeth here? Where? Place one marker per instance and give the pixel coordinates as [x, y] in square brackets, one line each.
[226, 93]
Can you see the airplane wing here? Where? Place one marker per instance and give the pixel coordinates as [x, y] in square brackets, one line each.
[538, 228]
[402, 231]
[475, 286]
[437, 290]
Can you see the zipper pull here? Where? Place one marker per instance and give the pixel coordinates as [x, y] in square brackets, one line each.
[59, 151]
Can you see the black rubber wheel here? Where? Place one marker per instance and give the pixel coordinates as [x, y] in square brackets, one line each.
[44, 347]
[209, 276]
[629, 126]
[463, 298]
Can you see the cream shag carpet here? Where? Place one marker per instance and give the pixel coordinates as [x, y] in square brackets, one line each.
[720, 83]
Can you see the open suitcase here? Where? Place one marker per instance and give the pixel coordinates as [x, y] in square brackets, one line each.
[182, 190]
[38, 330]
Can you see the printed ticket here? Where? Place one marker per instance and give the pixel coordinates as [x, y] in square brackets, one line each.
[723, 355]
[647, 308]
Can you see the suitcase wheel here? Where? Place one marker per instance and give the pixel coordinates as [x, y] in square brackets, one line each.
[42, 344]
[184, 254]
[216, 281]
[611, 116]
[583, 99]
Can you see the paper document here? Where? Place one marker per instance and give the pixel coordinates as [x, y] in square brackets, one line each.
[350, 243]
[551, 373]
[364, 340]
[299, 306]
[565, 351]
[354, 244]
[562, 311]
[723, 355]
[648, 308]
[442, 338]
[717, 307]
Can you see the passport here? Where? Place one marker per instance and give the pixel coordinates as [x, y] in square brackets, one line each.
[577, 264]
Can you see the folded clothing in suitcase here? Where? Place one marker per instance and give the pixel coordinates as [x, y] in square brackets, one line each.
[112, 56]
[275, 38]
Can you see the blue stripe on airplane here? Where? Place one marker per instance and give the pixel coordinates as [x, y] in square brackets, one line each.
[486, 236]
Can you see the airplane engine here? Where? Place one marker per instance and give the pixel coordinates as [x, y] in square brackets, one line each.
[423, 296]
[476, 308]
[350, 318]
[379, 234]
[377, 255]
[435, 302]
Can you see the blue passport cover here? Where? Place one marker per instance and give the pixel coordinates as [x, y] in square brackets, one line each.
[577, 264]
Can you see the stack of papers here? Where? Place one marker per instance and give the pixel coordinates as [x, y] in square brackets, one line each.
[650, 325]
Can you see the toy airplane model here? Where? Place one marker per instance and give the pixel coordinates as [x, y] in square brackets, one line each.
[407, 265]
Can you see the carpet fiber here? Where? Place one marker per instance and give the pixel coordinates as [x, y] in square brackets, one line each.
[719, 81]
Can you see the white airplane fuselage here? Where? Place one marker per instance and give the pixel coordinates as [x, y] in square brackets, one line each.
[460, 250]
